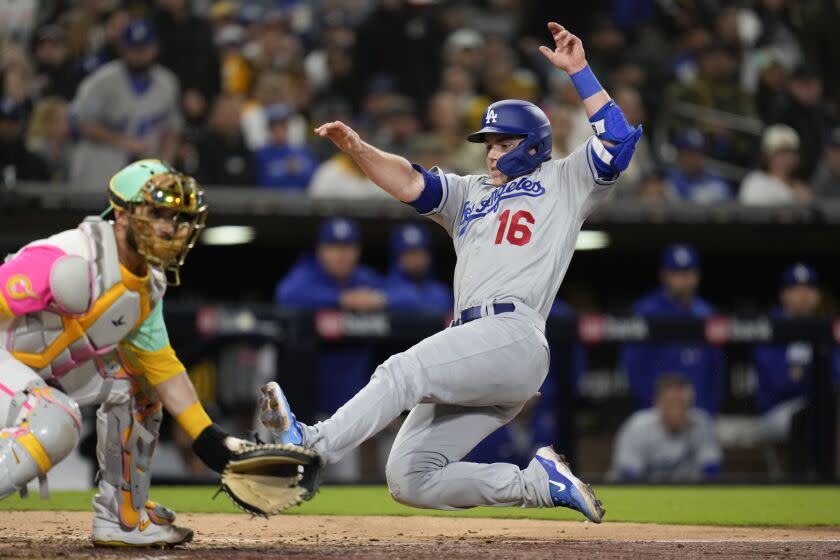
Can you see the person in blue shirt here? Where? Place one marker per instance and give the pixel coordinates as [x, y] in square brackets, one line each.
[278, 164]
[677, 297]
[410, 285]
[332, 278]
[689, 179]
[785, 370]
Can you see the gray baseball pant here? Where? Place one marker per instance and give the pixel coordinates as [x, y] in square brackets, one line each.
[461, 385]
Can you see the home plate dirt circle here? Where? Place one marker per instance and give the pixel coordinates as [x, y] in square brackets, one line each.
[47, 535]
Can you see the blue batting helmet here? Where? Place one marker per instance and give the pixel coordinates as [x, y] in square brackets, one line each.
[520, 118]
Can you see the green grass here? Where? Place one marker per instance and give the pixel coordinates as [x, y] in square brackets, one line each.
[700, 505]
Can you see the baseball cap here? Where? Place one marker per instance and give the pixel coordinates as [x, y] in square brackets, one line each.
[278, 113]
[799, 273]
[779, 137]
[139, 33]
[339, 231]
[680, 256]
[10, 109]
[690, 139]
[407, 237]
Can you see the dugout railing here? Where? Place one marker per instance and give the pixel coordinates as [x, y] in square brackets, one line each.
[200, 330]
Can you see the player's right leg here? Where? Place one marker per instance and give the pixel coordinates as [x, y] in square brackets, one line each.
[127, 428]
[41, 425]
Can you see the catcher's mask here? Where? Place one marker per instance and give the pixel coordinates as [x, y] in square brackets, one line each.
[166, 212]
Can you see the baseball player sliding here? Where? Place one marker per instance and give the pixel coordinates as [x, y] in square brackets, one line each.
[82, 310]
[514, 232]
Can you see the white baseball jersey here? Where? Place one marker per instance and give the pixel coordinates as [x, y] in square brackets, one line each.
[515, 242]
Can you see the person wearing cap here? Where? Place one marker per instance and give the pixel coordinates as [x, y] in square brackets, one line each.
[125, 110]
[776, 183]
[17, 163]
[679, 275]
[689, 179]
[411, 285]
[826, 179]
[81, 317]
[332, 278]
[279, 164]
[785, 370]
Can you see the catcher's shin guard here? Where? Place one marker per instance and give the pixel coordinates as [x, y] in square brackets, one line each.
[127, 428]
[46, 434]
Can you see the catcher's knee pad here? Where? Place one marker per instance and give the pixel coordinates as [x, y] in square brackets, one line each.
[44, 437]
[127, 432]
[409, 477]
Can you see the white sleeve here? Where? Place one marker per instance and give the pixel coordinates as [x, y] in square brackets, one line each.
[454, 191]
[577, 173]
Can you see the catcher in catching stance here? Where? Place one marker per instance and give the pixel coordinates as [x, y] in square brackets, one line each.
[81, 320]
[514, 231]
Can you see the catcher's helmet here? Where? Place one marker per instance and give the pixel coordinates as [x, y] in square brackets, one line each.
[514, 116]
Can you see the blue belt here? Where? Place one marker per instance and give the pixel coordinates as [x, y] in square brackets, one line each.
[473, 313]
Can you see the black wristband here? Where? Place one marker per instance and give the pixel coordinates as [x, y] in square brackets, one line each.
[210, 448]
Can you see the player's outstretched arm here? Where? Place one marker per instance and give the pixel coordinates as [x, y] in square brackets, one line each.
[392, 173]
[616, 138]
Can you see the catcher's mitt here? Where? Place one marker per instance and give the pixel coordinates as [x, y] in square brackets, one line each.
[266, 479]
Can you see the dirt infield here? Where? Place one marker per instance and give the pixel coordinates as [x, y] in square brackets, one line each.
[47, 535]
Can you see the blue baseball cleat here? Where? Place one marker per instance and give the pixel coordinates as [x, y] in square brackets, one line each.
[566, 489]
[276, 415]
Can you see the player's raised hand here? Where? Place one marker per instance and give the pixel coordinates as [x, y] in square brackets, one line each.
[344, 137]
[568, 53]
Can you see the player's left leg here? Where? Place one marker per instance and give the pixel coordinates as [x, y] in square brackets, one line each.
[425, 468]
[127, 429]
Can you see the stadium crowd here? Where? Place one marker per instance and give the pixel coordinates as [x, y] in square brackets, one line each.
[738, 97]
[739, 100]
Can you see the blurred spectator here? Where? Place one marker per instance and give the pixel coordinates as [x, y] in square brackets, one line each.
[17, 163]
[804, 110]
[271, 88]
[55, 74]
[716, 87]
[771, 93]
[237, 74]
[404, 40]
[277, 163]
[340, 177]
[48, 136]
[187, 48]
[703, 365]
[222, 156]
[126, 110]
[826, 180]
[671, 442]
[785, 371]
[653, 187]
[690, 179]
[398, 124]
[560, 115]
[447, 127]
[410, 284]
[333, 277]
[776, 183]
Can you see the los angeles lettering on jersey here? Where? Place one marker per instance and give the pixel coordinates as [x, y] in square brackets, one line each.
[520, 187]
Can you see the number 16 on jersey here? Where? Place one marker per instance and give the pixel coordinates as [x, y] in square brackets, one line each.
[518, 233]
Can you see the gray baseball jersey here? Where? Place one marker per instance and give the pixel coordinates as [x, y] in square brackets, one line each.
[515, 242]
[107, 97]
[645, 450]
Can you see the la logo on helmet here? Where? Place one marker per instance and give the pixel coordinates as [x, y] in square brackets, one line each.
[491, 116]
